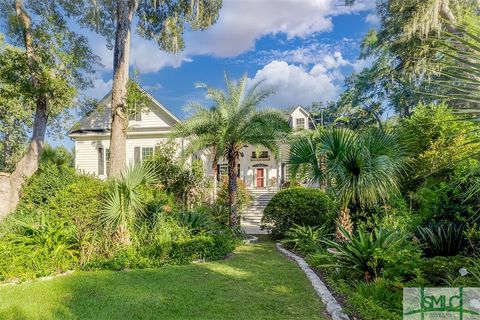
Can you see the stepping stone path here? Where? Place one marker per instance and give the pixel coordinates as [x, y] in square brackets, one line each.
[252, 216]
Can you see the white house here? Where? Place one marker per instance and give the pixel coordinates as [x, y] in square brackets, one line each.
[258, 167]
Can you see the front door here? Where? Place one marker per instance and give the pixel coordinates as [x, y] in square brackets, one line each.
[260, 178]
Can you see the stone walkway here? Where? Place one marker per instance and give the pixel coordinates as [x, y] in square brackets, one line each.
[252, 216]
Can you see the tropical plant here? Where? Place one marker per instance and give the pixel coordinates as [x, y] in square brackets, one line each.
[306, 239]
[204, 131]
[366, 252]
[242, 123]
[123, 203]
[195, 221]
[442, 239]
[363, 168]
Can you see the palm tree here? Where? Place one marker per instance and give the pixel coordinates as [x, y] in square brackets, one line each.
[123, 203]
[203, 129]
[362, 168]
[236, 111]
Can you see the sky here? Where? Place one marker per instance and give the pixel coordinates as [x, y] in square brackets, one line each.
[303, 49]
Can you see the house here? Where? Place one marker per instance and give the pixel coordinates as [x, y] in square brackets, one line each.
[146, 130]
[258, 167]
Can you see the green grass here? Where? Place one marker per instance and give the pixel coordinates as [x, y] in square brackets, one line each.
[257, 283]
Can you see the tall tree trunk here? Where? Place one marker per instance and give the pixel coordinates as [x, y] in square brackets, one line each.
[28, 164]
[232, 187]
[214, 181]
[322, 162]
[121, 59]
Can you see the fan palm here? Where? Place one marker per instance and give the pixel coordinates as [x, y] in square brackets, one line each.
[362, 168]
[124, 203]
[242, 123]
[459, 81]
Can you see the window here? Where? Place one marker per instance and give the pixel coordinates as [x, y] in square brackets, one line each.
[107, 157]
[137, 116]
[147, 153]
[260, 155]
[101, 162]
[223, 171]
[300, 123]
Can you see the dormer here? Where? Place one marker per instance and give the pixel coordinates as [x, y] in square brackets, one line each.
[299, 119]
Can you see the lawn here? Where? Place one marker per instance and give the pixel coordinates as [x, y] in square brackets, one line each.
[256, 283]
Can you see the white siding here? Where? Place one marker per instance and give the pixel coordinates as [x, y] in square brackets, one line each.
[298, 114]
[152, 117]
[86, 154]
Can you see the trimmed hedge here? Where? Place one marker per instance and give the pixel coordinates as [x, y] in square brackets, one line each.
[298, 205]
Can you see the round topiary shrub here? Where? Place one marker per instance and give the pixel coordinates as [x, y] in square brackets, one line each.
[298, 205]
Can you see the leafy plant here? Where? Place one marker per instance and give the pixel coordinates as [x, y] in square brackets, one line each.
[306, 239]
[362, 168]
[123, 204]
[196, 222]
[367, 253]
[442, 239]
[380, 293]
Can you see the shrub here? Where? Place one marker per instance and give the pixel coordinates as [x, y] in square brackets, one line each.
[47, 181]
[443, 239]
[80, 206]
[243, 196]
[195, 221]
[376, 253]
[298, 205]
[306, 239]
[380, 293]
[208, 247]
[437, 270]
[37, 247]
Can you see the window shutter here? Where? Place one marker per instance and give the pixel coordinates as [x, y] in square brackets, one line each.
[218, 172]
[138, 116]
[136, 155]
[238, 170]
[101, 162]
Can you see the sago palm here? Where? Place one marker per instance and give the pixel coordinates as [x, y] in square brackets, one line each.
[243, 123]
[123, 203]
[362, 168]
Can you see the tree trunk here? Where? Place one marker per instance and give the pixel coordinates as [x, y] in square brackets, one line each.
[379, 121]
[446, 13]
[28, 164]
[323, 169]
[121, 59]
[214, 181]
[232, 187]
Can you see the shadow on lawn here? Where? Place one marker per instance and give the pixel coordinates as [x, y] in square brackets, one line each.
[255, 283]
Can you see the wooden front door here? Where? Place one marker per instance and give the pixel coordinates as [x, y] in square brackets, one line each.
[260, 178]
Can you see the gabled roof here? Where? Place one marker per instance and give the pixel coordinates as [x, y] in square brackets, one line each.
[99, 121]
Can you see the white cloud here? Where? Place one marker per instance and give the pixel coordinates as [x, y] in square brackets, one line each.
[372, 18]
[296, 84]
[99, 89]
[241, 23]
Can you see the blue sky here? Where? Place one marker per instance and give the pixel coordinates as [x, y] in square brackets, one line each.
[302, 48]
